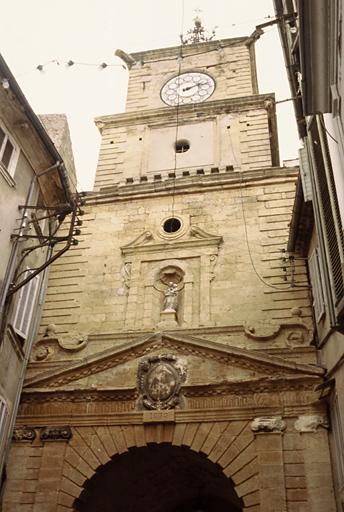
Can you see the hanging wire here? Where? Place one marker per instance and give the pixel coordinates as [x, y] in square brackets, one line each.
[326, 130]
[241, 182]
[180, 58]
[68, 64]
[248, 244]
[103, 65]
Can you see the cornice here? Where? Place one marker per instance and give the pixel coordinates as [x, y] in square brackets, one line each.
[174, 51]
[186, 345]
[240, 412]
[45, 395]
[289, 397]
[241, 387]
[193, 184]
[214, 107]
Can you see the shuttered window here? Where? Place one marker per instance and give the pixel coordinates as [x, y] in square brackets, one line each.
[317, 288]
[337, 431]
[332, 227]
[3, 419]
[305, 174]
[8, 152]
[25, 307]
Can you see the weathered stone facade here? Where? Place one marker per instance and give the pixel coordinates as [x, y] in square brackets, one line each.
[168, 344]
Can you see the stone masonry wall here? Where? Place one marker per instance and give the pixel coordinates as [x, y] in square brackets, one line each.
[139, 149]
[230, 62]
[89, 291]
[271, 471]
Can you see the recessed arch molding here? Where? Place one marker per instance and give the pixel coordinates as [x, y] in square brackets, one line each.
[221, 456]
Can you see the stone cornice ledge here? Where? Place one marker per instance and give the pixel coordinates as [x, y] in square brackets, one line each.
[191, 185]
[241, 412]
[174, 51]
[243, 103]
[184, 344]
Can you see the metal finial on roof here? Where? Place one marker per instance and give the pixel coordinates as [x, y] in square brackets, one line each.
[197, 34]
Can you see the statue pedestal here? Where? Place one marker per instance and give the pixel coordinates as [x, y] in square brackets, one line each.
[168, 319]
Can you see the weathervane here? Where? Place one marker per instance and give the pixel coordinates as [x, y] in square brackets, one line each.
[197, 34]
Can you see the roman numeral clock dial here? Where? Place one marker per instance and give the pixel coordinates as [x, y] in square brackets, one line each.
[188, 88]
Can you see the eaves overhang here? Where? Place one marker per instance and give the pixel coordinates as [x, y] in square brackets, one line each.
[36, 144]
[314, 23]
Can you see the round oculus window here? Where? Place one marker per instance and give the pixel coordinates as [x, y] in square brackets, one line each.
[182, 146]
[172, 225]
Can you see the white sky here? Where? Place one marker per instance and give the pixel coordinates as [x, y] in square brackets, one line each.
[39, 31]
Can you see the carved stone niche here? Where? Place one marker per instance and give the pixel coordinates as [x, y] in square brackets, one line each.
[55, 434]
[24, 434]
[159, 380]
[170, 285]
[194, 253]
[268, 424]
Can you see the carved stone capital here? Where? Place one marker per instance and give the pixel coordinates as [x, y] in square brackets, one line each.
[56, 434]
[23, 434]
[310, 423]
[268, 424]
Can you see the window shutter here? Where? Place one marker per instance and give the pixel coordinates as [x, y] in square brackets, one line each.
[25, 306]
[305, 174]
[327, 194]
[3, 419]
[7, 154]
[337, 431]
[317, 289]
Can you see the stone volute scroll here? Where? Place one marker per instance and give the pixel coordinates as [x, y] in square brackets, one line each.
[268, 424]
[159, 380]
[56, 433]
[24, 434]
[51, 344]
[310, 423]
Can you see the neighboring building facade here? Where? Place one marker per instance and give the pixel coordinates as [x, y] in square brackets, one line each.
[175, 369]
[34, 191]
[311, 34]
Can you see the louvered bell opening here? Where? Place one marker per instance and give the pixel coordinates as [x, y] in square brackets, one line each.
[330, 211]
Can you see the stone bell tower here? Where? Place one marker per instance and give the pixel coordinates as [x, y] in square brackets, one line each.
[174, 367]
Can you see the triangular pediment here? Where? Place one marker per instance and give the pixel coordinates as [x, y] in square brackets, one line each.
[150, 242]
[207, 363]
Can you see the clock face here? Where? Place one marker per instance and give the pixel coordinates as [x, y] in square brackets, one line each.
[188, 88]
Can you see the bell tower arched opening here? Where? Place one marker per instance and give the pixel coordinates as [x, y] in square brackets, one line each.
[159, 478]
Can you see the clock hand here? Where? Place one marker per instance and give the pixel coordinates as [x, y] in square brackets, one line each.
[192, 86]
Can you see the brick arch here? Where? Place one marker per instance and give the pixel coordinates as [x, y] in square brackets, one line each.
[228, 444]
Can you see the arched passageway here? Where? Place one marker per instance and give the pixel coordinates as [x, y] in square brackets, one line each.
[159, 478]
